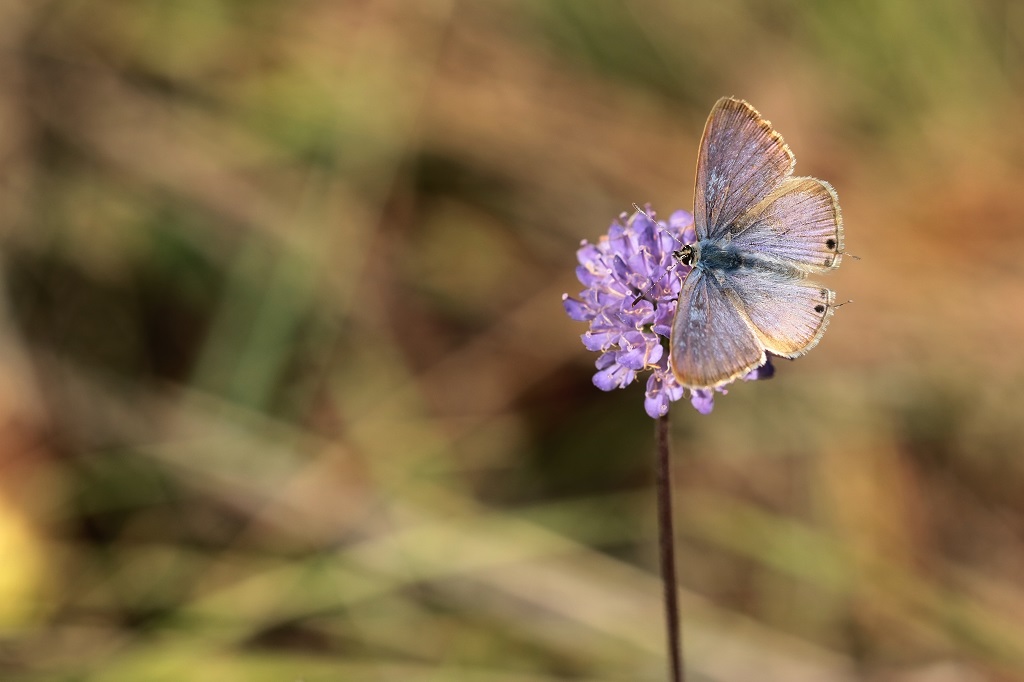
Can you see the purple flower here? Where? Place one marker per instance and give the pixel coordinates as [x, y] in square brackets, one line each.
[631, 282]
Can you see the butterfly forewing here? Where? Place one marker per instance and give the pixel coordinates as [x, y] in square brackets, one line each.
[712, 343]
[799, 224]
[740, 161]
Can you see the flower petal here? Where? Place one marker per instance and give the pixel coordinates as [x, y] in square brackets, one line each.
[577, 310]
[702, 400]
[765, 371]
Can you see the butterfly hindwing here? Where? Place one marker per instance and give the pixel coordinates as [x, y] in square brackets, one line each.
[788, 314]
[740, 161]
[712, 343]
[799, 223]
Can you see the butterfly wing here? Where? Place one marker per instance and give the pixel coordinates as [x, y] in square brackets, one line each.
[740, 161]
[798, 224]
[788, 314]
[768, 231]
[712, 343]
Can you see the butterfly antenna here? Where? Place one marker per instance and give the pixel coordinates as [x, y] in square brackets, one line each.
[651, 218]
[669, 269]
[643, 296]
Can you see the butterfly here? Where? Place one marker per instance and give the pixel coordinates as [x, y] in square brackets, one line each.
[761, 232]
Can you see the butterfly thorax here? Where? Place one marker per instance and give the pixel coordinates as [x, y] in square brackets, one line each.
[714, 255]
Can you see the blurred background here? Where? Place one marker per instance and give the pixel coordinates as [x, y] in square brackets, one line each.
[287, 391]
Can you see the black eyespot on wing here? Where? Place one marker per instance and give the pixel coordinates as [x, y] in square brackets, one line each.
[830, 243]
[819, 308]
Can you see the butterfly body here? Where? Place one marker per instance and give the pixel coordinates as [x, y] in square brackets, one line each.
[761, 233]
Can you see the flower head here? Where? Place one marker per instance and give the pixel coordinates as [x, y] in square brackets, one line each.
[632, 280]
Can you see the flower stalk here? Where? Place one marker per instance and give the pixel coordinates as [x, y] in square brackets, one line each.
[666, 546]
